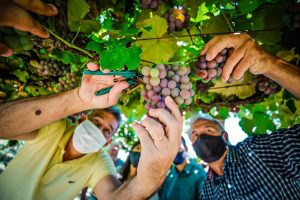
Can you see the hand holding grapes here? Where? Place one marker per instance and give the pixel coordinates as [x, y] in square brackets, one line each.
[92, 83]
[15, 14]
[246, 54]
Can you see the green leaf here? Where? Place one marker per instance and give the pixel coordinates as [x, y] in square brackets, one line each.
[246, 6]
[156, 50]
[22, 75]
[68, 57]
[263, 123]
[77, 10]
[107, 23]
[223, 113]
[201, 14]
[116, 58]
[95, 46]
[291, 105]
[247, 125]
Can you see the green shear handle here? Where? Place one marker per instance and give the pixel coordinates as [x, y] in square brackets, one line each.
[130, 76]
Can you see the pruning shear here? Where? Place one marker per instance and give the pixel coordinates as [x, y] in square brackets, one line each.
[130, 76]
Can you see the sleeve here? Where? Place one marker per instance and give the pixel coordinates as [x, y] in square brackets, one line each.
[104, 166]
[280, 151]
[200, 183]
[58, 127]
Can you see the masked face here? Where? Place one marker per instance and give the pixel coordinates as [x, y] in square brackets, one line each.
[180, 158]
[88, 138]
[207, 140]
[210, 148]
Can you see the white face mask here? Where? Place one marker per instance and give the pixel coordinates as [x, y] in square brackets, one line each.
[88, 138]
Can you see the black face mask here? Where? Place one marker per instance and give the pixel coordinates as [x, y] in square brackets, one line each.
[209, 148]
[134, 158]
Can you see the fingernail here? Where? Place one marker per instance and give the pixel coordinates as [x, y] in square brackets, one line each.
[53, 8]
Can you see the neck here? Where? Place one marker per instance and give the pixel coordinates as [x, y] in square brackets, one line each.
[218, 166]
[70, 152]
[181, 166]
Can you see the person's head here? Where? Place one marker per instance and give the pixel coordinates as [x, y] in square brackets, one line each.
[108, 120]
[208, 138]
[114, 150]
[182, 153]
[131, 162]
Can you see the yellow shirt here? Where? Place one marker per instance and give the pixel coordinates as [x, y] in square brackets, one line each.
[37, 172]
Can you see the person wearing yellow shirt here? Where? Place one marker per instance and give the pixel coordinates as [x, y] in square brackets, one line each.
[59, 160]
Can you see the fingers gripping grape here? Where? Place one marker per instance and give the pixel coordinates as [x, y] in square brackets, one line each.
[166, 80]
[16, 40]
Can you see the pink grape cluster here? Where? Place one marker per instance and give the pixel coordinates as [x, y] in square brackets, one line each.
[208, 70]
[266, 85]
[177, 19]
[151, 4]
[166, 80]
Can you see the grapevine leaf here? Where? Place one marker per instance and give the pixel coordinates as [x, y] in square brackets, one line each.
[94, 46]
[243, 89]
[263, 123]
[156, 50]
[287, 55]
[223, 113]
[246, 125]
[22, 75]
[201, 14]
[291, 105]
[68, 57]
[116, 58]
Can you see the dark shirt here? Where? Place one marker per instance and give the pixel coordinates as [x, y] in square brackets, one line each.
[261, 167]
[184, 185]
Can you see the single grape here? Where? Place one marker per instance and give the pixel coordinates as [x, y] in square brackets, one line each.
[171, 84]
[219, 58]
[164, 83]
[156, 98]
[175, 92]
[211, 64]
[146, 71]
[202, 65]
[170, 74]
[188, 101]
[176, 78]
[184, 79]
[161, 67]
[162, 74]
[161, 104]
[185, 94]
[157, 89]
[154, 81]
[149, 87]
[185, 86]
[212, 73]
[179, 100]
[151, 93]
[175, 67]
[219, 71]
[166, 91]
[201, 73]
[154, 73]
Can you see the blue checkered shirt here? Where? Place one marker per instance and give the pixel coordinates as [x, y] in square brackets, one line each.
[261, 167]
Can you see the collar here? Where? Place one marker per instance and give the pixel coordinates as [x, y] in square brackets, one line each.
[187, 169]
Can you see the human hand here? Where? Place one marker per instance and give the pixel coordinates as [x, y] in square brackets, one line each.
[15, 14]
[247, 55]
[159, 145]
[92, 83]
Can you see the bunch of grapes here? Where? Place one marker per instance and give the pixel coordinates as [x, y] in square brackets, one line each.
[17, 40]
[266, 85]
[52, 67]
[151, 4]
[166, 80]
[177, 19]
[69, 81]
[208, 70]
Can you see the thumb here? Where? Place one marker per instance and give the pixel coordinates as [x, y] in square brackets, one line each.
[116, 91]
[5, 51]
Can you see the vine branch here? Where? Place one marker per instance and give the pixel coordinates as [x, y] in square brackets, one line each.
[69, 44]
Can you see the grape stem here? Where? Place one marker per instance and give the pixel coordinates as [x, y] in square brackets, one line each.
[69, 44]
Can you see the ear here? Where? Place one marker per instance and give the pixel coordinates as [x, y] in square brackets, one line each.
[225, 136]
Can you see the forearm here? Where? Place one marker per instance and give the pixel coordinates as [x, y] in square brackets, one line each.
[134, 190]
[285, 74]
[24, 116]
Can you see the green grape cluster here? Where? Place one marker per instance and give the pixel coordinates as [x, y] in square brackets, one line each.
[52, 67]
[69, 81]
[17, 40]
